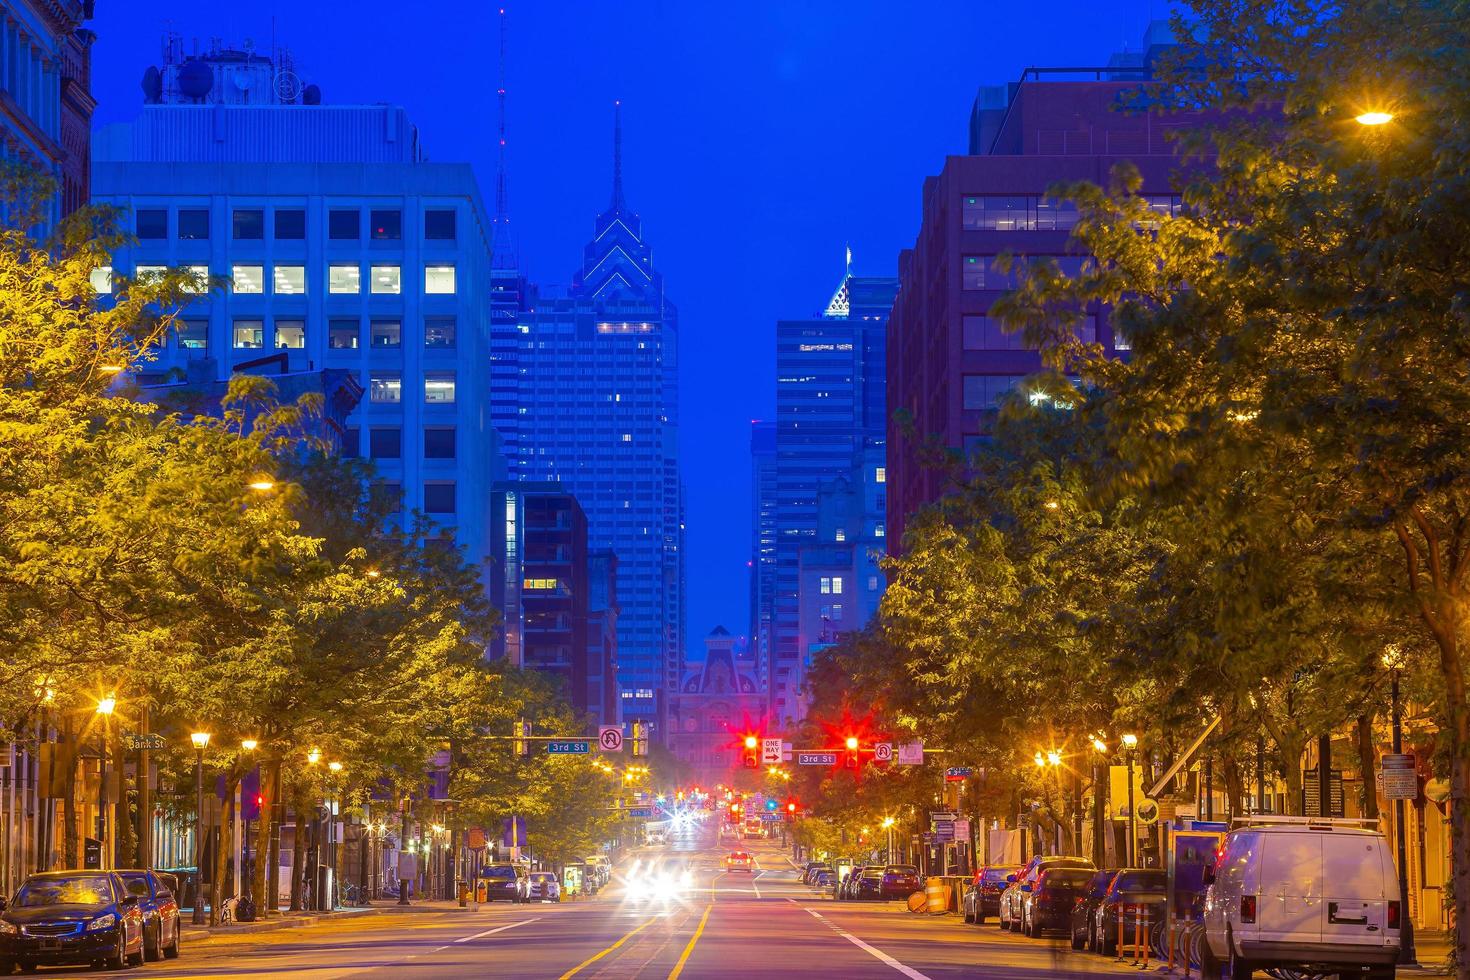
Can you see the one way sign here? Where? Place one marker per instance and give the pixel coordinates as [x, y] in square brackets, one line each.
[770, 751]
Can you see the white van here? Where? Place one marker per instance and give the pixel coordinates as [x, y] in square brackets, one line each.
[1302, 892]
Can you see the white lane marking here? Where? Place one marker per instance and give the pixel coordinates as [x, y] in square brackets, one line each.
[878, 954]
[491, 932]
[755, 889]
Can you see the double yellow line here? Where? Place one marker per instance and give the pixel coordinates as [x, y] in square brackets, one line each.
[678, 967]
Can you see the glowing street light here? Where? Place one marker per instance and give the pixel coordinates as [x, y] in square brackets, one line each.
[335, 766]
[1054, 758]
[262, 485]
[1374, 118]
[1130, 741]
[314, 756]
[249, 744]
[107, 705]
[1099, 745]
[852, 743]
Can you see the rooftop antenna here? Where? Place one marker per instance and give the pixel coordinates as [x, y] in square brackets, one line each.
[502, 244]
[617, 201]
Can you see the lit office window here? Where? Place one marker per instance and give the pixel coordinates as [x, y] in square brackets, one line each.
[344, 278]
[192, 334]
[291, 334]
[290, 280]
[386, 388]
[342, 334]
[150, 223]
[439, 498]
[249, 224]
[200, 275]
[101, 278]
[290, 224]
[193, 223]
[872, 583]
[880, 475]
[439, 443]
[831, 585]
[879, 531]
[386, 225]
[439, 225]
[386, 333]
[249, 334]
[840, 535]
[439, 332]
[439, 279]
[248, 278]
[386, 279]
[439, 388]
[344, 224]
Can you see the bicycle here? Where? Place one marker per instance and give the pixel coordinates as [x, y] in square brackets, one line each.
[350, 894]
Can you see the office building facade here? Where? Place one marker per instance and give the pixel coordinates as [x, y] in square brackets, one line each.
[762, 563]
[949, 362]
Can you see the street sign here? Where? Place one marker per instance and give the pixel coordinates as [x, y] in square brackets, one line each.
[576, 747]
[816, 758]
[911, 753]
[770, 751]
[957, 774]
[962, 829]
[610, 738]
[153, 742]
[944, 828]
[882, 751]
[785, 751]
[1148, 811]
[639, 812]
[1400, 777]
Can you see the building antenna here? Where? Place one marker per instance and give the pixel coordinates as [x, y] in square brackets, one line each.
[617, 200]
[502, 246]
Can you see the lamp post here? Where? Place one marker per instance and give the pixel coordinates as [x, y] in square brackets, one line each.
[334, 803]
[888, 823]
[105, 707]
[201, 742]
[247, 860]
[1394, 661]
[1130, 742]
[1099, 802]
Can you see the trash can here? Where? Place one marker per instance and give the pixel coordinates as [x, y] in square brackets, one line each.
[462, 889]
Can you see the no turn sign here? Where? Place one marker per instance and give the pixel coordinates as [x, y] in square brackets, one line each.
[883, 752]
[610, 738]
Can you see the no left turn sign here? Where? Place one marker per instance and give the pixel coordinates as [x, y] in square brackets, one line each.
[610, 738]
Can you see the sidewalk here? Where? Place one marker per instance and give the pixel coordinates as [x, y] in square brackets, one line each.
[294, 920]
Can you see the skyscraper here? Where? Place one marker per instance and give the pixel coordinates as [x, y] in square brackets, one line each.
[830, 401]
[762, 546]
[595, 407]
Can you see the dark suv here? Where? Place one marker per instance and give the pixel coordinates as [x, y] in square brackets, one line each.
[504, 882]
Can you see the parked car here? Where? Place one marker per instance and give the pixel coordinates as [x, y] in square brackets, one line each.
[848, 889]
[900, 881]
[542, 886]
[504, 882]
[1130, 888]
[1308, 894]
[1009, 908]
[869, 884]
[1048, 906]
[810, 874]
[982, 899]
[825, 879]
[156, 891]
[1083, 924]
[71, 917]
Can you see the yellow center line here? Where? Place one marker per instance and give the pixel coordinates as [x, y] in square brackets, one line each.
[597, 956]
[684, 957]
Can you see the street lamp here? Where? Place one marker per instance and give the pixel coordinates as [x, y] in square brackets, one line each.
[105, 707]
[1130, 742]
[1099, 801]
[249, 744]
[888, 823]
[262, 485]
[201, 742]
[314, 756]
[1393, 659]
[1374, 118]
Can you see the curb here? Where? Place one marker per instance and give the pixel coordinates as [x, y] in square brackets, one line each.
[294, 921]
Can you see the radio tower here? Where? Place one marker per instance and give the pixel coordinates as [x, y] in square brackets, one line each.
[502, 243]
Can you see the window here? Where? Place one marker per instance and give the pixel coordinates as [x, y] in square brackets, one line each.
[985, 391]
[994, 212]
[151, 223]
[342, 334]
[879, 531]
[249, 334]
[201, 279]
[880, 475]
[149, 273]
[1120, 340]
[290, 334]
[385, 388]
[386, 225]
[987, 333]
[193, 223]
[439, 443]
[101, 279]
[386, 333]
[351, 442]
[872, 583]
[385, 443]
[439, 280]
[439, 225]
[836, 611]
[344, 225]
[540, 584]
[439, 498]
[439, 388]
[840, 535]
[831, 585]
[386, 279]
[193, 334]
[290, 224]
[439, 332]
[343, 278]
[290, 280]
[248, 278]
[249, 223]
[972, 272]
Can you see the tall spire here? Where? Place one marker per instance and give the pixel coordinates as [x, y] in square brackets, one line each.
[503, 251]
[618, 203]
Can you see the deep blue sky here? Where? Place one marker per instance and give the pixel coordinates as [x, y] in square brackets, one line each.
[759, 139]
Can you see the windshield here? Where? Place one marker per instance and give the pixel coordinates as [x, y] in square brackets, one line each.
[1142, 881]
[80, 890]
[902, 869]
[498, 871]
[995, 876]
[543, 876]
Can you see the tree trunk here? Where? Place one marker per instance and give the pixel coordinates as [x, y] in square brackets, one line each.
[1367, 764]
[298, 856]
[71, 839]
[1234, 786]
[1454, 677]
[265, 902]
[222, 848]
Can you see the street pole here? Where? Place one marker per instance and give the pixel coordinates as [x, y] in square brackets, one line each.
[145, 793]
[1209, 787]
[1407, 953]
[198, 918]
[1260, 774]
[102, 841]
[1132, 815]
[402, 849]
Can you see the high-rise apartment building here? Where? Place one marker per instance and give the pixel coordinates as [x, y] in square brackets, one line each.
[949, 363]
[343, 249]
[594, 408]
[762, 547]
[829, 409]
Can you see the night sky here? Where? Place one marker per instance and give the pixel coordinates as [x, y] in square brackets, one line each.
[760, 139]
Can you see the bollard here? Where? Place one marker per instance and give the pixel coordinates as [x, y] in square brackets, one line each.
[1122, 925]
[1134, 962]
[1144, 938]
[1169, 930]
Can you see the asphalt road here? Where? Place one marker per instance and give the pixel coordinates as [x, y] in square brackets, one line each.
[726, 925]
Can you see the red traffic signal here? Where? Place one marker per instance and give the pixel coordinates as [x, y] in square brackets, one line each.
[752, 745]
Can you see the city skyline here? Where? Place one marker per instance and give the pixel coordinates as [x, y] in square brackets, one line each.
[752, 117]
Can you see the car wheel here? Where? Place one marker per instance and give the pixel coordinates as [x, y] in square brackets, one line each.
[171, 951]
[119, 957]
[1106, 941]
[26, 967]
[1077, 939]
[979, 917]
[1240, 969]
[153, 950]
[969, 917]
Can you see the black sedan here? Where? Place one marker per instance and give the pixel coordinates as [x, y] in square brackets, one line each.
[869, 884]
[71, 917]
[155, 892]
[900, 881]
[1084, 913]
[1049, 908]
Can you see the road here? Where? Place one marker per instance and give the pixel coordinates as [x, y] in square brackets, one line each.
[727, 925]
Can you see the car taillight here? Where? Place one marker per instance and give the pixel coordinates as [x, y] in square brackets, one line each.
[1247, 908]
[1393, 915]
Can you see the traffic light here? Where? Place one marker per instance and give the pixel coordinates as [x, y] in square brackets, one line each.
[852, 752]
[791, 808]
[522, 745]
[771, 805]
[752, 744]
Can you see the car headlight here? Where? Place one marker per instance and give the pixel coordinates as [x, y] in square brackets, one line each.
[102, 922]
[6, 929]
